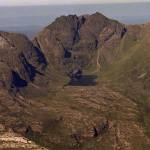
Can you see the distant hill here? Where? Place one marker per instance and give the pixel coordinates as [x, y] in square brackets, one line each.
[31, 19]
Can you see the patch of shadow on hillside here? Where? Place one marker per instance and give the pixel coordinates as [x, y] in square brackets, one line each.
[85, 80]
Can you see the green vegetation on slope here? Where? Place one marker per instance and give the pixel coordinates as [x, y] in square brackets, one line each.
[130, 74]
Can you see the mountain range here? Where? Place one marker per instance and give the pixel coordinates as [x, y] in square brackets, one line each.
[83, 82]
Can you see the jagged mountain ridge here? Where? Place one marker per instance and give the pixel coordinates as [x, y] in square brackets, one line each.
[72, 41]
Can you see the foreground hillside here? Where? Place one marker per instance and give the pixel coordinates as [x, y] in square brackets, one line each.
[131, 71]
[83, 83]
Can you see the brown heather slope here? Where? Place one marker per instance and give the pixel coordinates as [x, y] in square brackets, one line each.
[101, 111]
[77, 110]
[130, 74]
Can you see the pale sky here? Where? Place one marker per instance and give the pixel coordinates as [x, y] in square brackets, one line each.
[44, 2]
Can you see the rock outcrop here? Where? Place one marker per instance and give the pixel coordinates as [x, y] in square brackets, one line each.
[20, 60]
[10, 140]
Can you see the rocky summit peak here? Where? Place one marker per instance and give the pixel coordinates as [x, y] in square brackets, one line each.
[79, 36]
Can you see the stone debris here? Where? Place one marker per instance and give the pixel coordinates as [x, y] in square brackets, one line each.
[11, 140]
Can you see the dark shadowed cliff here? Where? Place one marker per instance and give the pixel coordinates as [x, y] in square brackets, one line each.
[20, 60]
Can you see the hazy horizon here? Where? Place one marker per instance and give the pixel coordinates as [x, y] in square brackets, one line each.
[64, 2]
[31, 19]
[38, 5]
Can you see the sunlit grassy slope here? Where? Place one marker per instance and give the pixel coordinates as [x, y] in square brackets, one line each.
[130, 73]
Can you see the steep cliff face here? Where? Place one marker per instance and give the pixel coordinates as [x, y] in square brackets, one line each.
[72, 41]
[20, 61]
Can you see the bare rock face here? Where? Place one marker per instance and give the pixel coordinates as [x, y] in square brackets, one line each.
[69, 43]
[20, 61]
[72, 41]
